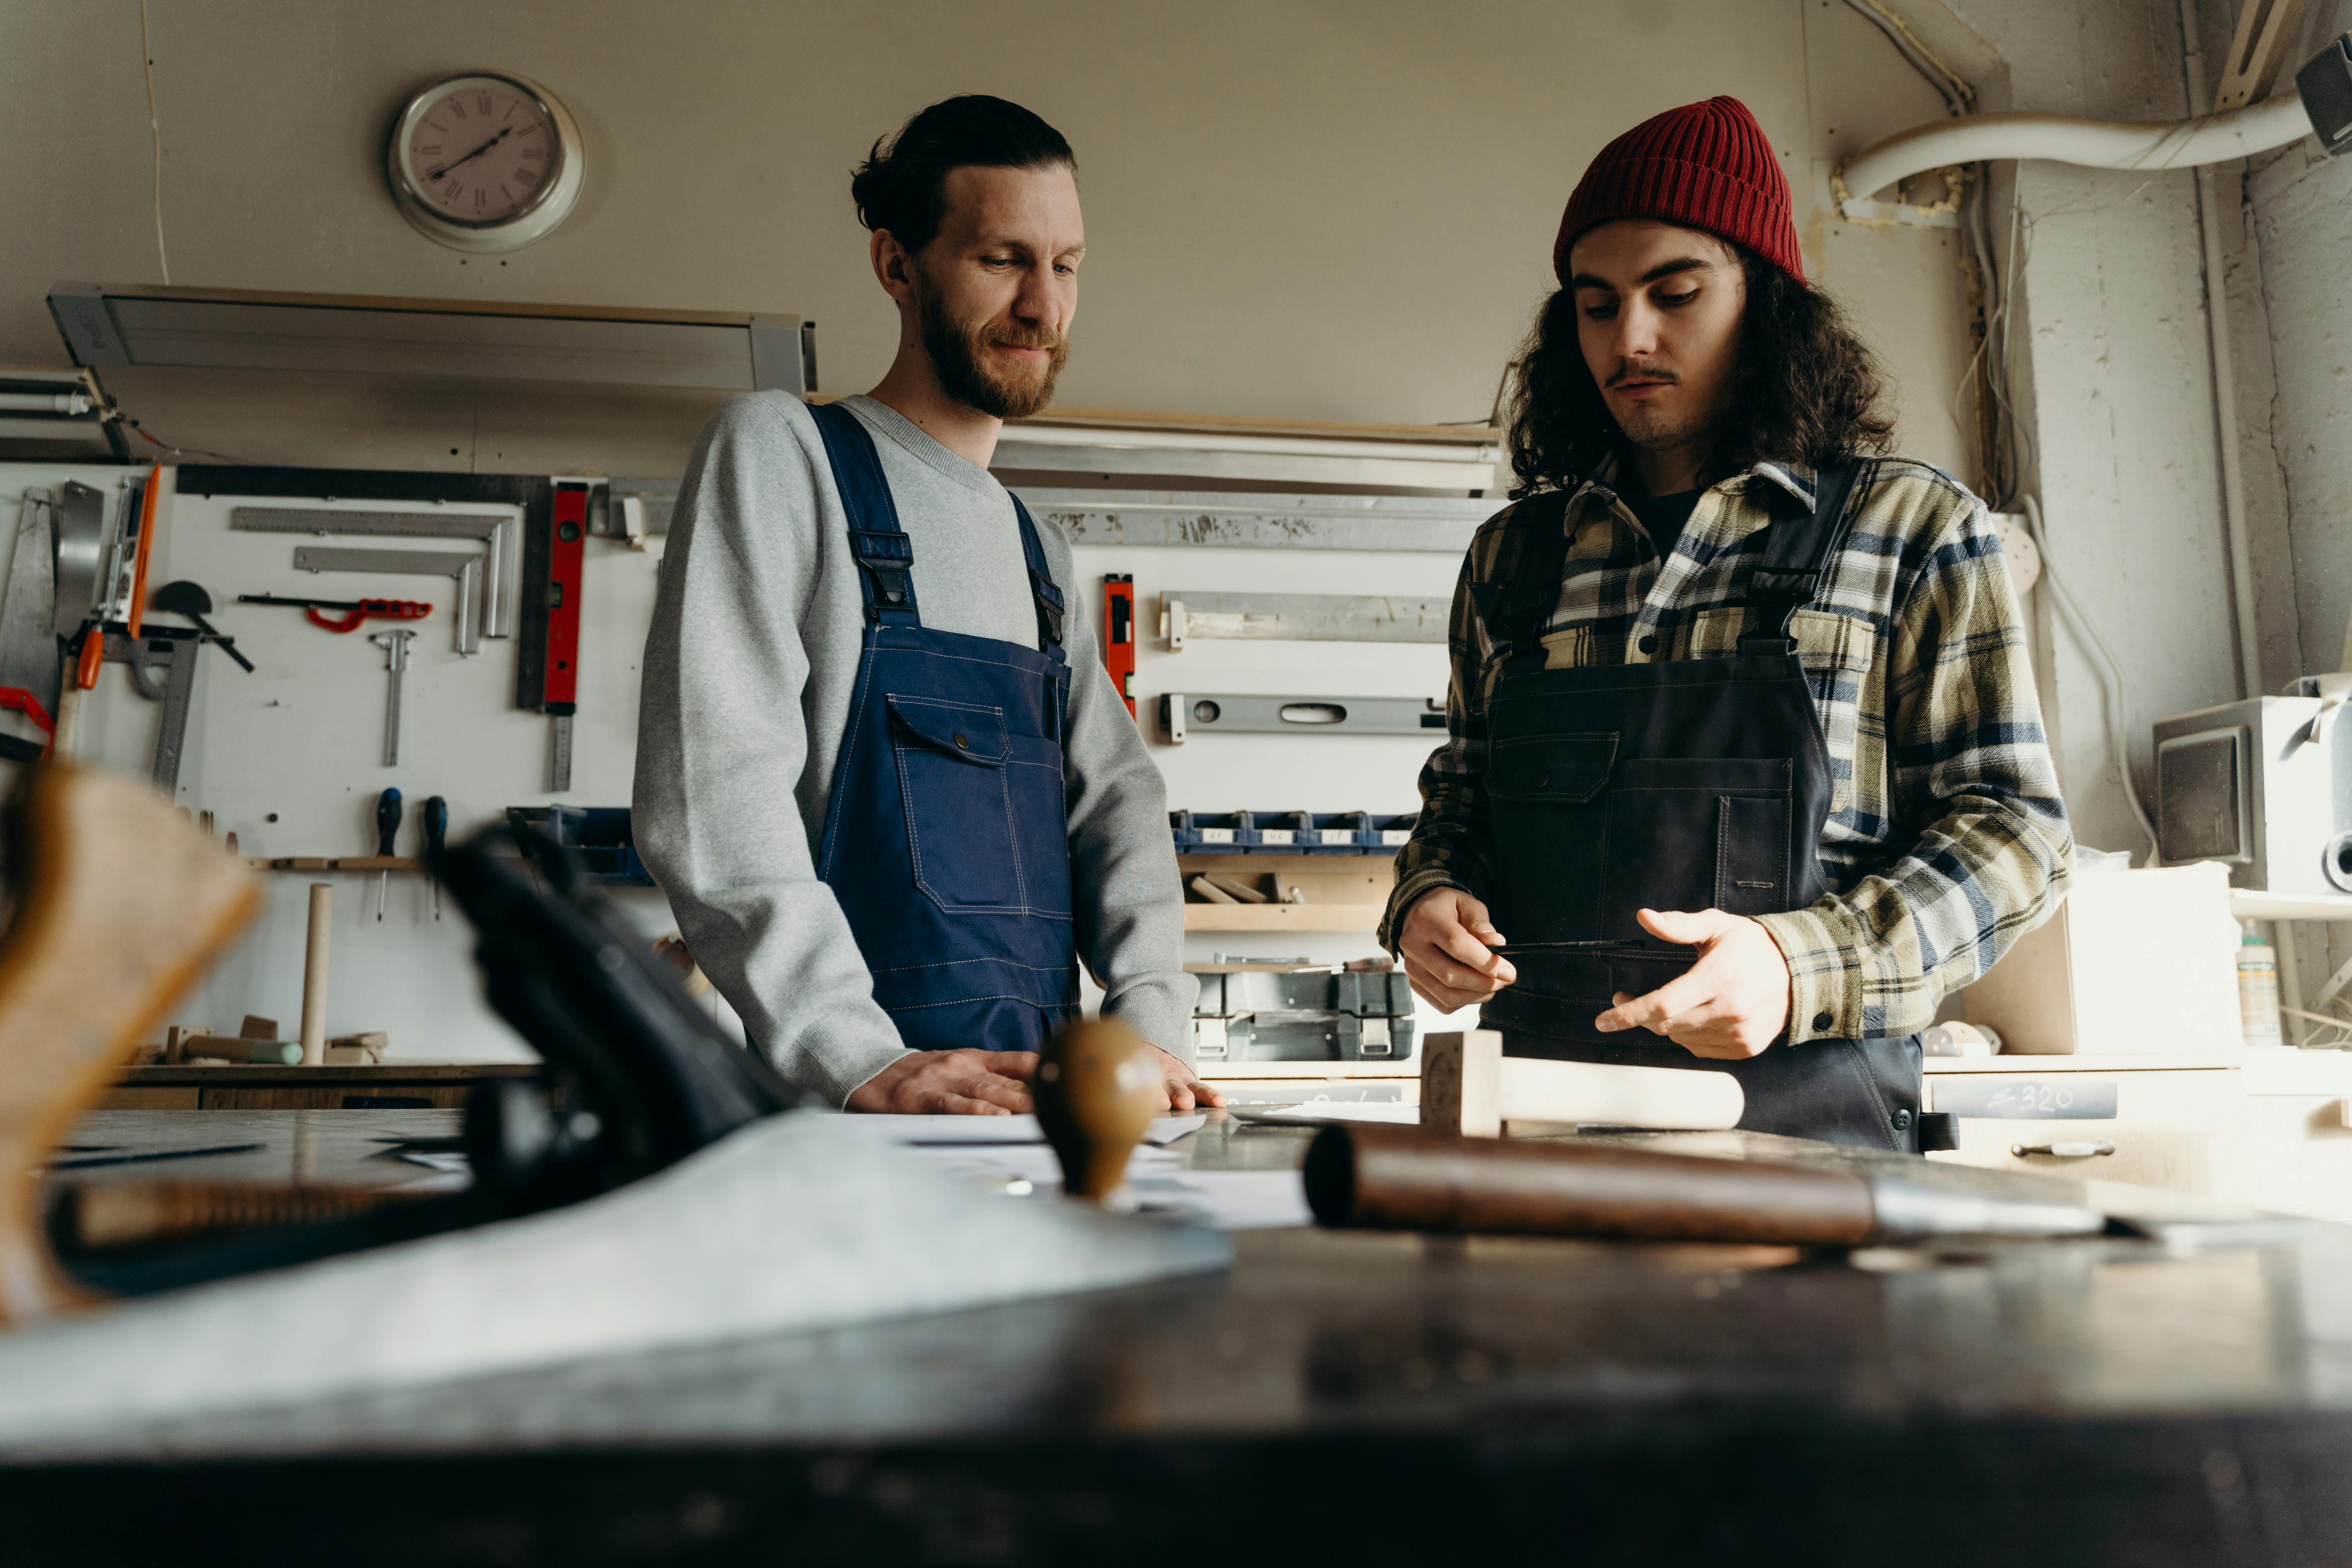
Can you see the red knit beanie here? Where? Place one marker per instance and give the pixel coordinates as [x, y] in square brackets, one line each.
[1706, 165]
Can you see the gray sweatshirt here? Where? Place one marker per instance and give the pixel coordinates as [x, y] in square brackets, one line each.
[747, 674]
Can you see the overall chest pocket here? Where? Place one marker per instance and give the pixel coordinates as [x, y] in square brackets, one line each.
[956, 789]
[1696, 833]
[1546, 795]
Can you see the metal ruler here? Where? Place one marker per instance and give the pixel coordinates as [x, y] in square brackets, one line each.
[1301, 617]
[465, 567]
[497, 530]
[1181, 714]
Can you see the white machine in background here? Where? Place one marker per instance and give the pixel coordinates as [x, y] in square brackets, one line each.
[2264, 786]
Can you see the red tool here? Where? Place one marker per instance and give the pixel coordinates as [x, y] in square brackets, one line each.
[567, 559]
[356, 611]
[1118, 632]
[25, 702]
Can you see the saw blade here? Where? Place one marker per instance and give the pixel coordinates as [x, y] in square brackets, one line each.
[29, 638]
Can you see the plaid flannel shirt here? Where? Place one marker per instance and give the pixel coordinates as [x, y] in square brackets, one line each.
[1945, 836]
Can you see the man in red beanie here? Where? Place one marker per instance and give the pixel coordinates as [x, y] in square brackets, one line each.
[1743, 749]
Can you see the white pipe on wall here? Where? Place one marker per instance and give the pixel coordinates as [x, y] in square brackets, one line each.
[2225, 387]
[2093, 143]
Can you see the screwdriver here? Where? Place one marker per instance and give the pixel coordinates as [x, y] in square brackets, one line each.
[387, 824]
[436, 832]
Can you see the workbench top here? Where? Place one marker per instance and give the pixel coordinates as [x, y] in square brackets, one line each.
[1353, 1396]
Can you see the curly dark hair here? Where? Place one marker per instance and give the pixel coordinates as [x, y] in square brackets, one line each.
[1805, 389]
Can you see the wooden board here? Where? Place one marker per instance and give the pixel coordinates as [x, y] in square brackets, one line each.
[1282, 916]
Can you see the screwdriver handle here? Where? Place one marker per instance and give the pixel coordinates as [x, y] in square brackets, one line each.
[387, 820]
[437, 825]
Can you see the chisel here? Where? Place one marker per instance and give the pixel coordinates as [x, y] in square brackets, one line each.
[387, 826]
[1410, 1178]
[437, 833]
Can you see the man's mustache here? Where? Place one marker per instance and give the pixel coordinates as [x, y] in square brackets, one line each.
[1632, 370]
[1025, 338]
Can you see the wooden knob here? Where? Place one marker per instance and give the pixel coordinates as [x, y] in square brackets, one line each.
[1096, 1092]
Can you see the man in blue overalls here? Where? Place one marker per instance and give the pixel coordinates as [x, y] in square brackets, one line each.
[889, 790]
[1743, 749]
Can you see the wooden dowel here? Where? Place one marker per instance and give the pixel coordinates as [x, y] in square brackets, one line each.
[314, 974]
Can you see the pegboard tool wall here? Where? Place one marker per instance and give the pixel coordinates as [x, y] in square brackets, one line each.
[301, 739]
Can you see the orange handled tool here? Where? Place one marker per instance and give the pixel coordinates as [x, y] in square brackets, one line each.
[356, 612]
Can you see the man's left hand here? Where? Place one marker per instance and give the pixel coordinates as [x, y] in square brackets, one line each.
[1184, 1090]
[1733, 1002]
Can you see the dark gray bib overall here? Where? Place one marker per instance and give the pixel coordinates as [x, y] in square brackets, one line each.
[1680, 784]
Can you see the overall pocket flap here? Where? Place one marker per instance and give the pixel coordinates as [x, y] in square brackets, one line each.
[1552, 767]
[968, 733]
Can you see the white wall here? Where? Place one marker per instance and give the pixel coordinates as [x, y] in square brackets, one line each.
[2114, 380]
[2288, 223]
[1295, 208]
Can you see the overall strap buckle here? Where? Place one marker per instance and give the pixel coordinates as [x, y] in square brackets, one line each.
[885, 563]
[885, 555]
[1049, 608]
[1517, 609]
[1042, 588]
[1797, 552]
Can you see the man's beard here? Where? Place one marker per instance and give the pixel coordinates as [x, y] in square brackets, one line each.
[958, 352]
[1654, 428]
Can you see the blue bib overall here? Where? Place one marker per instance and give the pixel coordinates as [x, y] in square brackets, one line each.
[944, 838]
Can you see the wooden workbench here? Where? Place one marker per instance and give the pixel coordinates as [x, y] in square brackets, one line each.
[391, 1086]
[1359, 1398]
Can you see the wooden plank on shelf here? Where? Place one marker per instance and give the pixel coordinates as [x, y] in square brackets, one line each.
[1282, 916]
[334, 863]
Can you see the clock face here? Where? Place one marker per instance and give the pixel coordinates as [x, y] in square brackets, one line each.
[486, 161]
[481, 151]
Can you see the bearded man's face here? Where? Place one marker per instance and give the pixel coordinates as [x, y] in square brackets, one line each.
[997, 288]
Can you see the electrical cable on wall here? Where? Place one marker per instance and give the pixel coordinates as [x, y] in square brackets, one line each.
[155, 130]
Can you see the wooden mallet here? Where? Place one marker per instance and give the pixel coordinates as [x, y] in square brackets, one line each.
[1096, 1092]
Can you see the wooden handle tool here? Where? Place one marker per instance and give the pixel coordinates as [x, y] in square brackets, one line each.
[119, 906]
[1405, 1178]
[148, 1213]
[1097, 1092]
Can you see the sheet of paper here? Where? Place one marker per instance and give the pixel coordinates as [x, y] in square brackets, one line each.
[939, 1130]
[453, 1173]
[1230, 1200]
[1000, 1165]
[1335, 1110]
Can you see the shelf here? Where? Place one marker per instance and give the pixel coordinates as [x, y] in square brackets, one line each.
[2118, 1061]
[1234, 1072]
[1363, 917]
[2291, 1071]
[2252, 904]
[1276, 865]
[333, 863]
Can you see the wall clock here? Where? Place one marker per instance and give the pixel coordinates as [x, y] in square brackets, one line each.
[483, 162]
